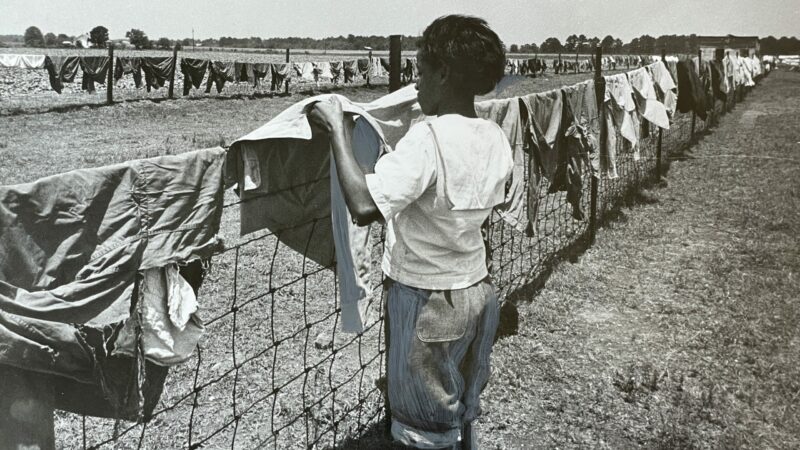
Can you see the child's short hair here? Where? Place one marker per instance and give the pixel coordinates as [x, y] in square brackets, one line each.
[474, 53]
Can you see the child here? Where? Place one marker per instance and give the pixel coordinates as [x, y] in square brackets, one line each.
[434, 192]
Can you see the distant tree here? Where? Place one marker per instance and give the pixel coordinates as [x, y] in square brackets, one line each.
[582, 41]
[164, 43]
[529, 48]
[594, 42]
[551, 45]
[647, 45]
[50, 40]
[99, 36]
[138, 39]
[571, 43]
[608, 44]
[617, 44]
[514, 48]
[186, 42]
[33, 37]
[63, 37]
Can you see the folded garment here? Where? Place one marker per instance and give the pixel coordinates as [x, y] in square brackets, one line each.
[193, 70]
[506, 113]
[71, 247]
[288, 184]
[124, 66]
[95, 70]
[22, 61]
[691, 96]
[219, 73]
[646, 100]
[620, 113]
[157, 70]
[61, 69]
[665, 86]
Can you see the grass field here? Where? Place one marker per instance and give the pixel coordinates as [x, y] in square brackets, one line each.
[616, 351]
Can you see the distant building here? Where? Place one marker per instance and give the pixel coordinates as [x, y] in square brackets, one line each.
[744, 45]
[82, 41]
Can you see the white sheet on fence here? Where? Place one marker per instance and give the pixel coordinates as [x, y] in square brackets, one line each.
[22, 61]
[646, 101]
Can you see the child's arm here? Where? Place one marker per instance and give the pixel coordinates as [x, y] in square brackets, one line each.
[351, 178]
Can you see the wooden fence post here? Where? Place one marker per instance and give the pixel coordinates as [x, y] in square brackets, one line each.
[289, 70]
[577, 50]
[110, 81]
[600, 92]
[174, 68]
[395, 48]
[660, 131]
[369, 68]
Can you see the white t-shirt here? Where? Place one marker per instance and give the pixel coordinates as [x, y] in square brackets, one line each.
[434, 203]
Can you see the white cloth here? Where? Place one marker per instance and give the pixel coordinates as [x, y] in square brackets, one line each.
[646, 101]
[166, 311]
[666, 85]
[435, 191]
[22, 61]
[323, 69]
[304, 70]
[620, 116]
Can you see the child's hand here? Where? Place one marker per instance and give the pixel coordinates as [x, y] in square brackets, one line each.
[327, 115]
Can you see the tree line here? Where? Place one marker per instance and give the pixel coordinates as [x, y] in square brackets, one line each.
[645, 44]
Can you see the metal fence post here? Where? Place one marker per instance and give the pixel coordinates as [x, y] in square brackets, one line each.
[660, 131]
[395, 48]
[110, 81]
[174, 67]
[289, 69]
[600, 92]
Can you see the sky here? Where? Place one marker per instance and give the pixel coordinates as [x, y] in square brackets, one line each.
[516, 21]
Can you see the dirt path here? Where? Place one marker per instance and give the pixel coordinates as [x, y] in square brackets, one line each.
[680, 328]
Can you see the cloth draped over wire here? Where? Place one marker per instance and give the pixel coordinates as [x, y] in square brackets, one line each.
[125, 66]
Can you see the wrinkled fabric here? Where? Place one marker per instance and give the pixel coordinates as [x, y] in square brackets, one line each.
[620, 111]
[351, 69]
[95, 70]
[646, 100]
[543, 135]
[363, 67]
[665, 86]
[283, 174]
[242, 71]
[280, 73]
[165, 316]
[323, 70]
[581, 128]
[718, 84]
[376, 68]
[71, 246]
[304, 70]
[22, 61]
[260, 71]
[193, 70]
[219, 73]
[506, 114]
[336, 68]
[124, 66]
[157, 70]
[61, 69]
[691, 97]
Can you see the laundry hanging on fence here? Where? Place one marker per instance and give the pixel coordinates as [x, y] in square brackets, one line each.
[647, 102]
[304, 70]
[287, 183]
[691, 96]
[71, 248]
[410, 70]
[376, 68]
[22, 61]
[242, 72]
[219, 73]
[665, 86]
[280, 74]
[718, 81]
[95, 70]
[506, 114]
[61, 69]
[351, 69]
[193, 70]
[322, 70]
[260, 71]
[620, 113]
[157, 70]
[364, 67]
[336, 68]
[124, 66]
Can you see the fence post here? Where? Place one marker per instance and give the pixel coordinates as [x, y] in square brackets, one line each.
[560, 66]
[694, 114]
[576, 59]
[289, 70]
[110, 81]
[660, 131]
[174, 67]
[395, 48]
[369, 68]
[600, 93]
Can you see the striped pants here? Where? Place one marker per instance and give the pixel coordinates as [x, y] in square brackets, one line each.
[439, 343]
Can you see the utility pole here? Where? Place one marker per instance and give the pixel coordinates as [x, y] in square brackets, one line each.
[193, 39]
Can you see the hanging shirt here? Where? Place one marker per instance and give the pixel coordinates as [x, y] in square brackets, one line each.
[95, 70]
[194, 70]
[665, 85]
[646, 100]
[157, 70]
[123, 66]
[61, 69]
[620, 111]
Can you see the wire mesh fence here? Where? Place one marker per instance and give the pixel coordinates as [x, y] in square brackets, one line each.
[273, 371]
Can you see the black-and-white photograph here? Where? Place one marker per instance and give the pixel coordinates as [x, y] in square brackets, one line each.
[354, 224]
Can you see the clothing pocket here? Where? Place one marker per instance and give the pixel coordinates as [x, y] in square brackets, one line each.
[443, 317]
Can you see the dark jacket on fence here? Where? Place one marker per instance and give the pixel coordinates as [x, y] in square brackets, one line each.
[61, 69]
[71, 250]
[157, 70]
[123, 66]
[280, 73]
[193, 70]
[219, 73]
[691, 96]
[95, 70]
